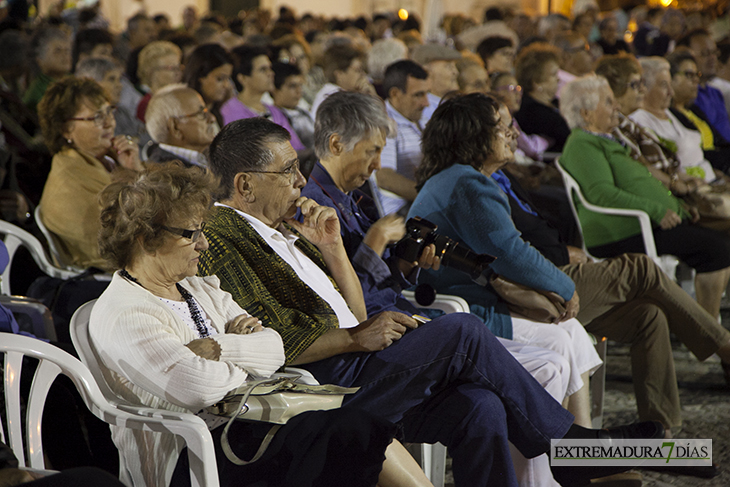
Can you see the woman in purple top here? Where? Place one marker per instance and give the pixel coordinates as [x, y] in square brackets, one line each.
[208, 71]
[255, 77]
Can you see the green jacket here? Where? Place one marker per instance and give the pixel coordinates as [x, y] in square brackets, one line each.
[36, 90]
[263, 284]
[609, 177]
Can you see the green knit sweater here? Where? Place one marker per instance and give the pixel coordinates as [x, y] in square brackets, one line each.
[609, 177]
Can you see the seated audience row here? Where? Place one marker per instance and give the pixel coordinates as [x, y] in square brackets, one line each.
[317, 279]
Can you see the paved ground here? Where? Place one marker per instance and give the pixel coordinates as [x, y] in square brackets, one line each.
[705, 408]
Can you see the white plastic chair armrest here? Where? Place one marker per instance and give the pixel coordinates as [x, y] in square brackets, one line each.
[444, 302]
[159, 414]
[644, 222]
[306, 376]
[38, 472]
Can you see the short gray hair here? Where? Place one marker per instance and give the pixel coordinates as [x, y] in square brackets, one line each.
[164, 105]
[243, 145]
[95, 68]
[384, 53]
[581, 94]
[651, 67]
[353, 116]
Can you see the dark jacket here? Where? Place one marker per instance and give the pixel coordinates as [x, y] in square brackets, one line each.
[535, 229]
[536, 118]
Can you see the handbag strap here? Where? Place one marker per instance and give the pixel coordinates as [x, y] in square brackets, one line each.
[226, 446]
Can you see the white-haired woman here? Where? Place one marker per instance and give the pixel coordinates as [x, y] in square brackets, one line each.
[608, 176]
[656, 117]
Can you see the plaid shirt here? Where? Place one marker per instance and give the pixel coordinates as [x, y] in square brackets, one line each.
[407, 155]
[263, 284]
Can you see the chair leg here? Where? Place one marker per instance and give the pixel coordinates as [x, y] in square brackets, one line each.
[438, 465]
[598, 386]
[432, 459]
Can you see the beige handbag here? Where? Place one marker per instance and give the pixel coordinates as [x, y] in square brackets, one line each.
[535, 305]
[275, 401]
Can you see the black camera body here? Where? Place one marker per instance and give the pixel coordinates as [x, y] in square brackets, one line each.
[421, 233]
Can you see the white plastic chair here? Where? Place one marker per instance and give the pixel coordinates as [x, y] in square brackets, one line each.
[54, 361]
[667, 263]
[39, 315]
[16, 237]
[51, 241]
[201, 451]
[598, 383]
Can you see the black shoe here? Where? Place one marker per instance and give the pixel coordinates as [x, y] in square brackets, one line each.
[635, 431]
[581, 476]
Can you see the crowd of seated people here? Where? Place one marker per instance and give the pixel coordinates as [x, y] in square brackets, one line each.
[303, 145]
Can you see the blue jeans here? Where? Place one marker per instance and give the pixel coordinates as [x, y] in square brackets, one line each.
[451, 381]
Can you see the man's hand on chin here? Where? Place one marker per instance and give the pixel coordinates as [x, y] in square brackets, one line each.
[320, 224]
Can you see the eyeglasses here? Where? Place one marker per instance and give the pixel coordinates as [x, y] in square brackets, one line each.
[192, 235]
[201, 114]
[288, 59]
[637, 84]
[510, 88]
[509, 131]
[291, 171]
[99, 117]
[691, 75]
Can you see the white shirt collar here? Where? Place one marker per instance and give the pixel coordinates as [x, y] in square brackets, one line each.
[189, 155]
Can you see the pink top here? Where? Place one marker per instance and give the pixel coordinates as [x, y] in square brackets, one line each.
[233, 110]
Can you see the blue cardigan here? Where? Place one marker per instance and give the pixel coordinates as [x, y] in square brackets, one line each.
[471, 208]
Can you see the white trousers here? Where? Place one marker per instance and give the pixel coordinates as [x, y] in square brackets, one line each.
[568, 338]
